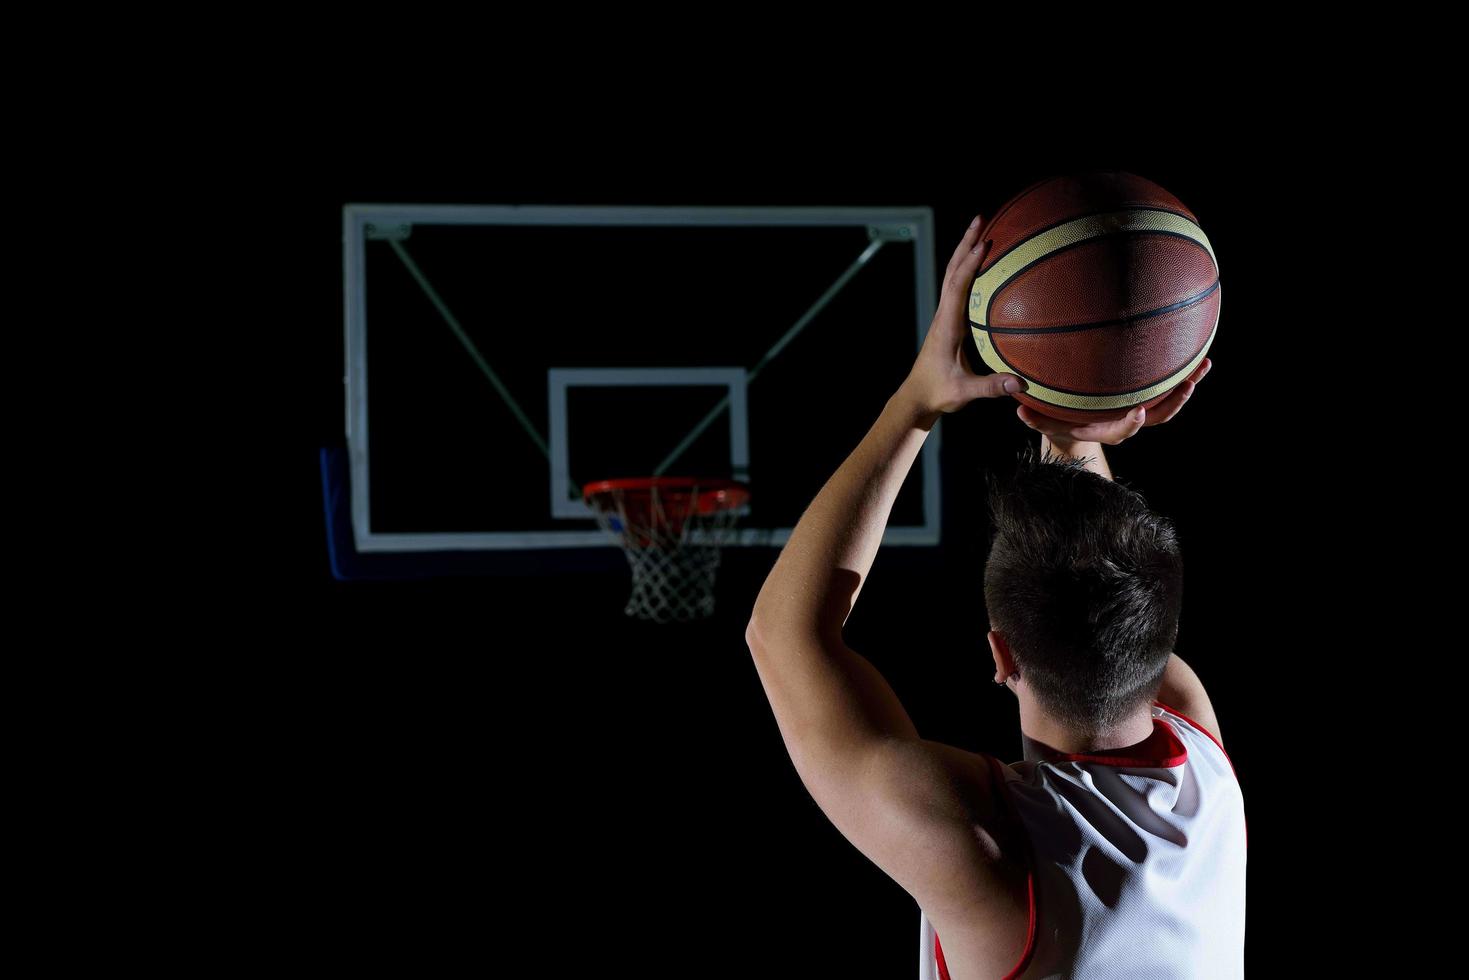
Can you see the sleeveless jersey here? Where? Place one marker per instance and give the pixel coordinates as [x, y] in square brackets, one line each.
[1136, 862]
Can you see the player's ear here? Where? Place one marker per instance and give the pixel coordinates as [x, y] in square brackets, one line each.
[1000, 651]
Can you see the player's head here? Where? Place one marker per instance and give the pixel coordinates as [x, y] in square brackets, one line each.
[1085, 584]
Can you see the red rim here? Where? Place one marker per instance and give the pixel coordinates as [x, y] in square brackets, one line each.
[715, 493]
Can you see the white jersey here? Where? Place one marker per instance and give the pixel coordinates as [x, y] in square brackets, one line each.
[1136, 864]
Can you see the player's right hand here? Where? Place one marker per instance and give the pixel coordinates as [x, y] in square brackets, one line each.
[1112, 433]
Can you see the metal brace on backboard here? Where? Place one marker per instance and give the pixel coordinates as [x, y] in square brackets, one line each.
[388, 233]
[892, 233]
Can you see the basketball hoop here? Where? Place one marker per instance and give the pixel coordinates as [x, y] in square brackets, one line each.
[672, 530]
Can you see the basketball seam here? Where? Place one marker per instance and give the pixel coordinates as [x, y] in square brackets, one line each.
[1105, 394]
[1073, 327]
[1020, 197]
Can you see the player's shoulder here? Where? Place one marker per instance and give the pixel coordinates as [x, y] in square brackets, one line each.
[978, 777]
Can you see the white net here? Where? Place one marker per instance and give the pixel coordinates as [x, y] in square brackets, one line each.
[672, 537]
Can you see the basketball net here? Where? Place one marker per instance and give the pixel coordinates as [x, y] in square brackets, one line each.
[672, 530]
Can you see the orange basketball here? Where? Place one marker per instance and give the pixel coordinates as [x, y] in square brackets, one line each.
[1100, 290]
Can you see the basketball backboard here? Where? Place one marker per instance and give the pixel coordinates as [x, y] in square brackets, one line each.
[498, 358]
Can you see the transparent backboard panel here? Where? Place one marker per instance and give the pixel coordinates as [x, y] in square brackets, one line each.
[499, 358]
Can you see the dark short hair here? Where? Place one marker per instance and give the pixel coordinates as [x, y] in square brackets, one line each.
[1085, 583]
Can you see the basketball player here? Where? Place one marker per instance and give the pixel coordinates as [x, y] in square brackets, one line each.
[1116, 847]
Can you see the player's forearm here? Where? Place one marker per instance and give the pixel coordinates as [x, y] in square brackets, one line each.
[1091, 451]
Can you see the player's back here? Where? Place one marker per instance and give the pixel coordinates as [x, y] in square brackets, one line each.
[1137, 862]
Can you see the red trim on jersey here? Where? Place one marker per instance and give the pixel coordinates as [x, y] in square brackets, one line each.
[1201, 728]
[997, 773]
[1216, 742]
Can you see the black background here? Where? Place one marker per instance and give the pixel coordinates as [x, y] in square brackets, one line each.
[493, 772]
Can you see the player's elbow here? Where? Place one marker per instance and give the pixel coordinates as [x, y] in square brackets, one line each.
[757, 635]
[752, 638]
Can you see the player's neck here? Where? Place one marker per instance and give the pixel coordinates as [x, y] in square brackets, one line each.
[1041, 733]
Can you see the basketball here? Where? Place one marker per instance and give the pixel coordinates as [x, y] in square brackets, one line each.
[1100, 290]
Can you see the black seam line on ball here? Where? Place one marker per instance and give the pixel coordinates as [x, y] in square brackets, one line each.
[989, 308]
[1107, 394]
[1120, 321]
[1020, 197]
[1091, 214]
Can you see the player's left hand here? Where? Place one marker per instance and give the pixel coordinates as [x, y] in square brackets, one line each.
[941, 379]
